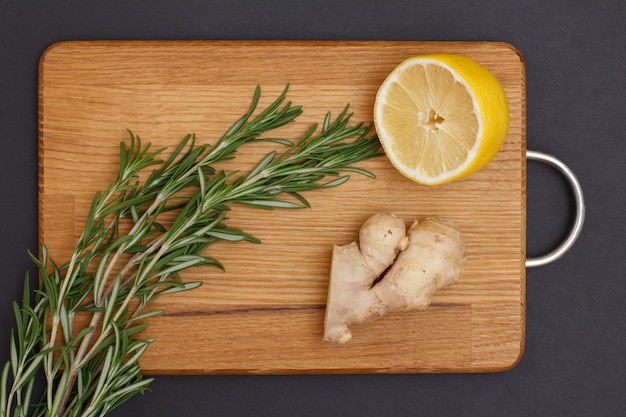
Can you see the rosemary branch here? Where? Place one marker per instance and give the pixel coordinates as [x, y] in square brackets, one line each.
[91, 370]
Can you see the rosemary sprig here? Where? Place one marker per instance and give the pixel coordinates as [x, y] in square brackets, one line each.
[130, 253]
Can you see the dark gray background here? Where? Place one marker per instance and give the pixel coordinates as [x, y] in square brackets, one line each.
[575, 358]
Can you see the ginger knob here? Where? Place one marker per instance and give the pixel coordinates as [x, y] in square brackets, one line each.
[418, 262]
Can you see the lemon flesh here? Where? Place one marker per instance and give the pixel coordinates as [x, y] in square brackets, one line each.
[440, 117]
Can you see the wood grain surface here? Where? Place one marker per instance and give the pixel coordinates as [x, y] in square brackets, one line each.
[265, 313]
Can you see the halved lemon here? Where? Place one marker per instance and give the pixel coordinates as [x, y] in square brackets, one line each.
[440, 117]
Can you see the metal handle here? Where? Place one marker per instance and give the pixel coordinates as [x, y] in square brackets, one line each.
[580, 209]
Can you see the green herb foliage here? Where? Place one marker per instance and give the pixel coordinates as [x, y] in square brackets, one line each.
[128, 254]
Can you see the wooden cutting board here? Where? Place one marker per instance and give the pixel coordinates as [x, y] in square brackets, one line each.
[265, 313]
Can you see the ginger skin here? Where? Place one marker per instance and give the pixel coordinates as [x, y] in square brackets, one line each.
[427, 258]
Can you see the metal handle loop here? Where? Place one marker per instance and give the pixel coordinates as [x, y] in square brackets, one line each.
[580, 209]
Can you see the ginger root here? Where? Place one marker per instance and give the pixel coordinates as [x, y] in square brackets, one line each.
[427, 258]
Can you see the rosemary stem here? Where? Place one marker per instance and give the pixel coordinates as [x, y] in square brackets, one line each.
[136, 227]
[99, 301]
[55, 327]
